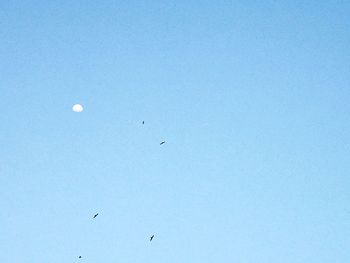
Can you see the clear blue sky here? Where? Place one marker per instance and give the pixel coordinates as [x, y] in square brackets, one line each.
[252, 98]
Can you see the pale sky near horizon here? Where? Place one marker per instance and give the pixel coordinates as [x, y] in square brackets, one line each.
[251, 97]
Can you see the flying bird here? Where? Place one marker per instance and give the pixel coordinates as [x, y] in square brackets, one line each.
[143, 122]
[79, 256]
[95, 215]
[151, 238]
[162, 142]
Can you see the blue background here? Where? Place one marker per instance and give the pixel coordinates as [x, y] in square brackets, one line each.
[251, 97]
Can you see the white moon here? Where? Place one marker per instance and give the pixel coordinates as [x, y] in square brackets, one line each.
[77, 108]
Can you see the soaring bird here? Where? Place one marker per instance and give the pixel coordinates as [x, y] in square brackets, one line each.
[79, 256]
[151, 238]
[95, 215]
[162, 142]
[143, 122]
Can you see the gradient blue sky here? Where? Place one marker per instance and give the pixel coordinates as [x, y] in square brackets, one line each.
[252, 97]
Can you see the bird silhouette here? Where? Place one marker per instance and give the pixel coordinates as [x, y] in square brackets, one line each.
[151, 238]
[143, 122]
[79, 256]
[95, 215]
[162, 142]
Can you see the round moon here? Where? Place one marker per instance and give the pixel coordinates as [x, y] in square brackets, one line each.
[77, 108]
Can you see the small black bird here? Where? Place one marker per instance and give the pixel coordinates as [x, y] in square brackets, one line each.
[143, 122]
[95, 215]
[79, 256]
[162, 142]
[151, 238]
